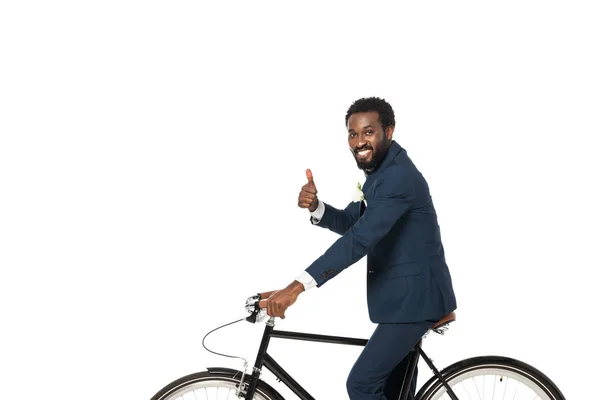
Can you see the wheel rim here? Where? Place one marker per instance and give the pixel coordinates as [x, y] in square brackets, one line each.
[493, 383]
[211, 389]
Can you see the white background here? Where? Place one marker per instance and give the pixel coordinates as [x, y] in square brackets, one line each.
[151, 155]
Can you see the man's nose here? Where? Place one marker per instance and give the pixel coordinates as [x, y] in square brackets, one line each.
[361, 140]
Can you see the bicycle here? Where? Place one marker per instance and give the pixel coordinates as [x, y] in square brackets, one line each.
[481, 378]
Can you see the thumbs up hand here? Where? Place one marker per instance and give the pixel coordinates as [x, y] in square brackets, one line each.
[308, 194]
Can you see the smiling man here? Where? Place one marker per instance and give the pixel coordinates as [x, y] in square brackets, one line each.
[409, 287]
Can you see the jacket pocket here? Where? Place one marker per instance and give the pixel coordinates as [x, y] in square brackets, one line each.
[406, 269]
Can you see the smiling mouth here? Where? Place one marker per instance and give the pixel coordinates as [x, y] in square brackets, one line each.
[363, 154]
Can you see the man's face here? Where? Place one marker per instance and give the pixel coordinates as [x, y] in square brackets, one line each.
[367, 140]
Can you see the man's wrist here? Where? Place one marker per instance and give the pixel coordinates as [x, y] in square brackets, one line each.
[296, 286]
[319, 211]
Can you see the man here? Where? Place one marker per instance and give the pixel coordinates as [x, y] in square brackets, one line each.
[409, 287]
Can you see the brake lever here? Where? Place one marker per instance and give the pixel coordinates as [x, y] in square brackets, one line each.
[251, 302]
[252, 307]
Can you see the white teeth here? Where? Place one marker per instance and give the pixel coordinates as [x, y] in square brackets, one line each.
[363, 152]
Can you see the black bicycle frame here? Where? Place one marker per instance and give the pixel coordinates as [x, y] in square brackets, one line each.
[263, 359]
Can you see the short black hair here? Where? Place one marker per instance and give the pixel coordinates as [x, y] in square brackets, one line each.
[366, 104]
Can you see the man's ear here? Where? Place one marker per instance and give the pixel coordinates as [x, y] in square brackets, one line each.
[389, 132]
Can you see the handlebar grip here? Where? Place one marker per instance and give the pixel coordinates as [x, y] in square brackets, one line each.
[266, 295]
[263, 303]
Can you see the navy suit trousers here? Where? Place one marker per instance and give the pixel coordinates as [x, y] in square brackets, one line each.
[379, 370]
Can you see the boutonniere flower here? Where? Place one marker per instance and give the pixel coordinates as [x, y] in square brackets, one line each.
[358, 194]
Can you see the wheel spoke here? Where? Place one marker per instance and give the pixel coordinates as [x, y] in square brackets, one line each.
[466, 391]
[484, 385]
[476, 388]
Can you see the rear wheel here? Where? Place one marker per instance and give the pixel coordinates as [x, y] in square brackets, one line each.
[491, 377]
[218, 383]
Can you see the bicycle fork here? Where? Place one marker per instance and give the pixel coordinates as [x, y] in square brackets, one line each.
[259, 359]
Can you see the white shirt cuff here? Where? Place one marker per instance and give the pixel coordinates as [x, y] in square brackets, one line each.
[307, 280]
[318, 213]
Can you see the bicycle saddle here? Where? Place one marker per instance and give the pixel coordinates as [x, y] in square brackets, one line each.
[442, 325]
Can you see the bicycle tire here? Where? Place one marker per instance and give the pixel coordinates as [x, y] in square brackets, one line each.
[466, 369]
[216, 377]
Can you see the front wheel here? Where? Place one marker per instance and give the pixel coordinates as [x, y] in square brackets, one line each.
[216, 383]
[491, 377]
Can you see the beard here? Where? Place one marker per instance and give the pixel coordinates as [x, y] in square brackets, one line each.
[377, 156]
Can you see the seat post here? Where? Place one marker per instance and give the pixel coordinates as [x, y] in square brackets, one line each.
[409, 374]
[437, 373]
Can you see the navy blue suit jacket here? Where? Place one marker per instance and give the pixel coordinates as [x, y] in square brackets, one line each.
[407, 276]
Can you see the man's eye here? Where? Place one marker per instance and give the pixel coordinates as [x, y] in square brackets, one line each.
[370, 132]
[352, 135]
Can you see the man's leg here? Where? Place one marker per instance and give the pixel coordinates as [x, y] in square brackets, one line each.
[393, 383]
[388, 346]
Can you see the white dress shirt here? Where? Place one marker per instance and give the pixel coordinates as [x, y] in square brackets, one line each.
[305, 278]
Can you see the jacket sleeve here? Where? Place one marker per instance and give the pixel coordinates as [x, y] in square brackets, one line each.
[338, 221]
[391, 199]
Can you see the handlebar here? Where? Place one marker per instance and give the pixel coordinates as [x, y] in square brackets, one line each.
[257, 305]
